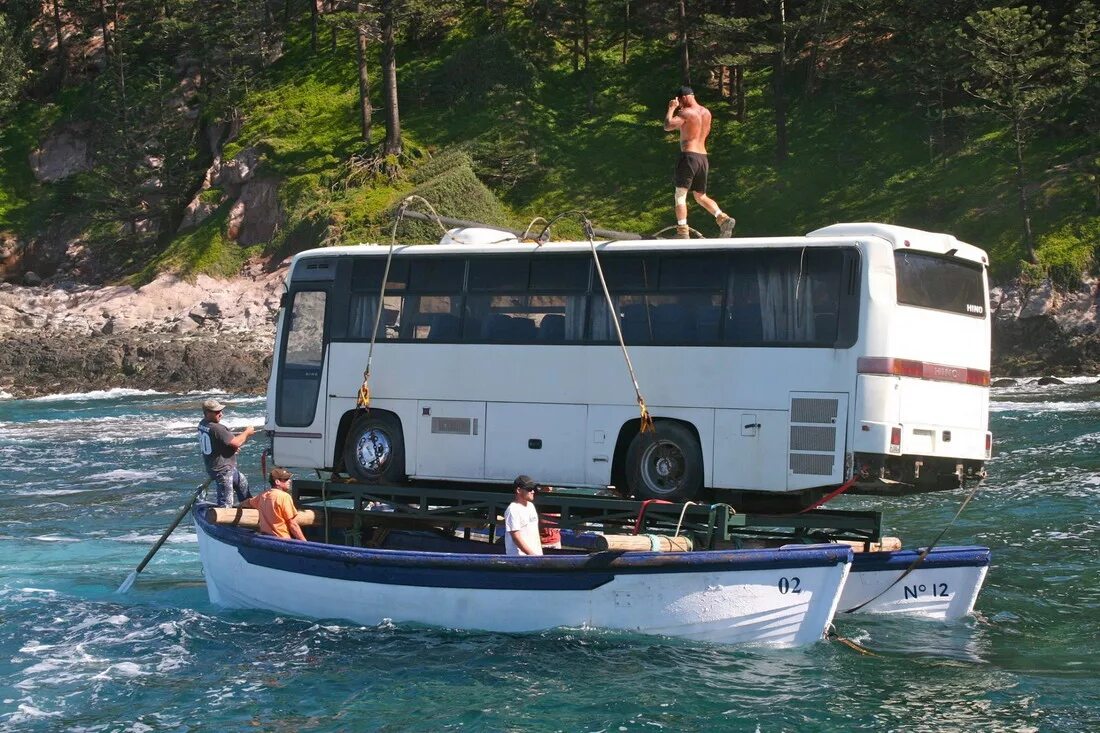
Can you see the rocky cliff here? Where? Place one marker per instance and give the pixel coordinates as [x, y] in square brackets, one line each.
[176, 335]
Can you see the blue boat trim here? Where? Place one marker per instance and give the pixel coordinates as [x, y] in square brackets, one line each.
[939, 557]
[484, 571]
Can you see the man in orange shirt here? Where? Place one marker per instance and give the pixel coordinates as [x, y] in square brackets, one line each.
[278, 515]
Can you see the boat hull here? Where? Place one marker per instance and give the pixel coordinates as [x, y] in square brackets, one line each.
[783, 597]
[943, 586]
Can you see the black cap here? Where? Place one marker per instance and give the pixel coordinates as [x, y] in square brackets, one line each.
[525, 482]
[684, 91]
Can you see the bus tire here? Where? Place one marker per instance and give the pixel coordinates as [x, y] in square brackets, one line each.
[375, 450]
[665, 464]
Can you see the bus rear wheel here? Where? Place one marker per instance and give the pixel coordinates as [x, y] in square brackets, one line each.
[375, 450]
[665, 464]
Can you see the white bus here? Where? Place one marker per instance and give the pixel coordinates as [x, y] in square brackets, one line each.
[770, 365]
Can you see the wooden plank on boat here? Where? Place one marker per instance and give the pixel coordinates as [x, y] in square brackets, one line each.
[888, 544]
[643, 543]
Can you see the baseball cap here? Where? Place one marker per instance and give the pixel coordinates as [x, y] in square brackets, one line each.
[525, 482]
[212, 405]
[281, 474]
[684, 91]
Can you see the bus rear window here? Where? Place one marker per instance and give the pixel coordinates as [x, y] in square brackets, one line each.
[941, 283]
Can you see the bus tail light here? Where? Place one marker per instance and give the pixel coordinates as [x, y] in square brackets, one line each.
[887, 365]
[895, 440]
[989, 445]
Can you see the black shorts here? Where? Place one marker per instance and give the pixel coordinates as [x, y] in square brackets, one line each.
[691, 172]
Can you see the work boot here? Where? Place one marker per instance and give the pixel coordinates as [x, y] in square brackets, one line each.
[726, 225]
[683, 231]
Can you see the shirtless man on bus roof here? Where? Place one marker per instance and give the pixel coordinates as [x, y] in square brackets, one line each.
[693, 121]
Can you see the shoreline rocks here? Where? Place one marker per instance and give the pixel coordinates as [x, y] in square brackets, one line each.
[178, 335]
[170, 335]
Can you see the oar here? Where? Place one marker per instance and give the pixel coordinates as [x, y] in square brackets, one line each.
[126, 584]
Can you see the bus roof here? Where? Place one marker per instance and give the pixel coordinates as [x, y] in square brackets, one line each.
[831, 236]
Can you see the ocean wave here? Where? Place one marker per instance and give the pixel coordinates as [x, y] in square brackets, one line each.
[124, 474]
[54, 538]
[176, 538]
[6, 395]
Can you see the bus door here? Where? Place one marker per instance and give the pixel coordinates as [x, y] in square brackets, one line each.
[301, 375]
[818, 431]
[450, 439]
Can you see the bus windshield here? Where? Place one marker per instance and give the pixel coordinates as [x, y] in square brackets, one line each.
[942, 283]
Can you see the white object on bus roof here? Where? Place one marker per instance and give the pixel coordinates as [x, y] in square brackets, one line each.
[478, 235]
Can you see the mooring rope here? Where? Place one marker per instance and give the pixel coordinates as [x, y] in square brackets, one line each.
[923, 553]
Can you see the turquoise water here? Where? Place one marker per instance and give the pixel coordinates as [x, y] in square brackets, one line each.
[88, 482]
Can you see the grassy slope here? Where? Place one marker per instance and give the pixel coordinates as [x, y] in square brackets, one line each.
[851, 159]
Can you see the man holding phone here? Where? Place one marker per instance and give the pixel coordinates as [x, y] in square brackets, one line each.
[693, 121]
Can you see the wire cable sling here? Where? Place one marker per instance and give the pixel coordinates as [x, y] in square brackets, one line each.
[646, 419]
[362, 400]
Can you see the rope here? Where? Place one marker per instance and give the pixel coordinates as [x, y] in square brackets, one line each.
[832, 635]
[923, 553]
[527, 232]
[362, 399]
[590, 234]
[834, 493]
[641, 512]
[682, 513]
[698, 234]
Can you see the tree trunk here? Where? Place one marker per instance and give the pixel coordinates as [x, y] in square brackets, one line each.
[103, 29]
[313, 25]
[1021, 188]
[739, 90]
[685, 65]
[62, 61]
[389, 79]
[779, 85]
[626, 27]
[364, 78]
[332, 9]
[584, 32]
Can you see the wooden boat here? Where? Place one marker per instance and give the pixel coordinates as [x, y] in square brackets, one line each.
[943, 586]
[778, 597]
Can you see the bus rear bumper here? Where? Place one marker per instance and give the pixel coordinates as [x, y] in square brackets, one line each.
[909, 474]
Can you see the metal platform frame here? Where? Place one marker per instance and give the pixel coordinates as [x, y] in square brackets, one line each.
[579, 510]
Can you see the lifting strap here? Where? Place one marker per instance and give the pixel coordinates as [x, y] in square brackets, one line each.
[362, 400]
[646, 419]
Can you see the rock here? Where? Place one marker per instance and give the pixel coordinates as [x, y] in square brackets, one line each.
[1044, 381]
[62, 154]
[1039, 302]
[257, 214]
[1003, 382]
[197, 212]
[31, 278]
[240, 170]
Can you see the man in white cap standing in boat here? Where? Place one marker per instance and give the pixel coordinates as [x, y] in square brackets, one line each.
[693, 121]
[521, 521]
[219, 454]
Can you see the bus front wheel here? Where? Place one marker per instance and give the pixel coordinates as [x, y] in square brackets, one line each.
[665, 464]
[375, 450]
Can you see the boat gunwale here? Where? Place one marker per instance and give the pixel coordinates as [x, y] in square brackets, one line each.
[617, 561]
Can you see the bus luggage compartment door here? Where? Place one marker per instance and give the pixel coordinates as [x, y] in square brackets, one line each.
[750, 449]
[818, 431]
[545, 441]
[450, 439]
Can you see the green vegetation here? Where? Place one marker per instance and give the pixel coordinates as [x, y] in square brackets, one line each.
[510, 112]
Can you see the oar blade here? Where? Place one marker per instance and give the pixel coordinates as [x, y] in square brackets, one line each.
[128, 583]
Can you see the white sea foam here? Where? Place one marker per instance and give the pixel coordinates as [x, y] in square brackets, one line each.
[178, 537]
[1010, 406]
[54, 538]
[122, 474]
[97, 394]
[6, 395]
